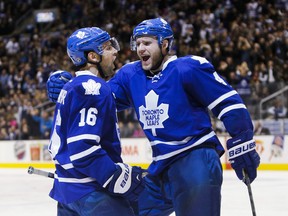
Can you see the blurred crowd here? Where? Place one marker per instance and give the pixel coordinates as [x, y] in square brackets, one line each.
[246, 41]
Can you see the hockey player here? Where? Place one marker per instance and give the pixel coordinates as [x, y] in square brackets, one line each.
[91, 178]
[171, 97]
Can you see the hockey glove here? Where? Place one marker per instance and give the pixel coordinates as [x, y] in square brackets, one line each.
[56, 82]
[243, 156]
[127, 182]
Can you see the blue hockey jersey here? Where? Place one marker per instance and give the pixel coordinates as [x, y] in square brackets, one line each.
[172, 106]
[84, 142]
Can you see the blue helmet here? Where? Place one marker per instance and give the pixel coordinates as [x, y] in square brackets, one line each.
[87, 39]
[152, 27]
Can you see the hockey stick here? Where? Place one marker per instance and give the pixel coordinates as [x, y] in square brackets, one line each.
[246, 180]
[32, 170]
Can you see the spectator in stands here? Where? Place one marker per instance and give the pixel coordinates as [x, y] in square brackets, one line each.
[243, 82]
[277, 110]
[45, 122]
[271, 76]
[25, 133]
[127, 129]
[259, 129]
[138, 131]
[4, 80]
[244, 48]
[12, 46]
[251, 31]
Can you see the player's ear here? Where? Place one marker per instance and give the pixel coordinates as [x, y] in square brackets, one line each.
[164, 46]
[93, 57]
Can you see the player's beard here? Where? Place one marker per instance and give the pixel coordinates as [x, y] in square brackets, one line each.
[109, 71]
[155, 64]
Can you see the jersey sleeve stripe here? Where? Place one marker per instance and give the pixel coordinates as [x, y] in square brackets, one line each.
[223, 97]
[184, 141]
[229, 108]
[84, 153]
[108, 181]
[198, 142]
[74, 180]
[83, 136]
[65, 166]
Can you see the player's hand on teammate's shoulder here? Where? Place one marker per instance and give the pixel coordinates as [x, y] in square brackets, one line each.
[56, 82]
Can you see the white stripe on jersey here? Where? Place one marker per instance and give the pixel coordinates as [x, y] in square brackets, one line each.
[198, 142]
[83, 136]
[108, 181]
[229, 108]
[74, 180]
[184, 141]
[220, 99]
[84, 153]
[65, 166]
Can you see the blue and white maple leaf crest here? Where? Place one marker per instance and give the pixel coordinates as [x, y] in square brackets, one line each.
[81, 34]
[152, 116]
[91, 87]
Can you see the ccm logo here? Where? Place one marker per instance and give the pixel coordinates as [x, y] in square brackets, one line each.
[126, 176]
[241, 149]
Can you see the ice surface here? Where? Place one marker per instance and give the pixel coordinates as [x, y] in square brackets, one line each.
[27, 195]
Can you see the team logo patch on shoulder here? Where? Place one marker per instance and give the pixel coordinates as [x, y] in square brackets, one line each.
[91, 87]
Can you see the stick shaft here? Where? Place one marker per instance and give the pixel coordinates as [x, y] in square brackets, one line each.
[251, 200]
[32, 170]
[248, 183]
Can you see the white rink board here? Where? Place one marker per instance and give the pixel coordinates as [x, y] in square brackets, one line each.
[27, 195]
[273, 151]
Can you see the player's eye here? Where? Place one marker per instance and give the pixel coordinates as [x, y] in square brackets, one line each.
[109, 47]
[144, 43]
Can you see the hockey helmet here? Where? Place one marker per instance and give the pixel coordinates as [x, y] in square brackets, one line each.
[158, 27]
[87, 39]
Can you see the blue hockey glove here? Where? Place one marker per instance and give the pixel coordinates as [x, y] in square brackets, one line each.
[127, 182]
[56, 82]
[243, 156]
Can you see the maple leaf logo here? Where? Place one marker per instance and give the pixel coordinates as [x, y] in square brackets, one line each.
[80, 34]
[152, 116]
[91, 87]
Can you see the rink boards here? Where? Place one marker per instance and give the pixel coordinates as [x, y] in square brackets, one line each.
[273, 151]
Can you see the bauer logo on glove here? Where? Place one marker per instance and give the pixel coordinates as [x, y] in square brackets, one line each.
[241, 149]
[127, 181]
[123, 182]
[242, 154]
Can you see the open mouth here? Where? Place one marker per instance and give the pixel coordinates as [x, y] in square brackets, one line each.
[114, 66]
[145, 58]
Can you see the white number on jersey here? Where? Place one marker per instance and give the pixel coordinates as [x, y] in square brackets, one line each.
[55, 141]
[89, 117]
[219, 79]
